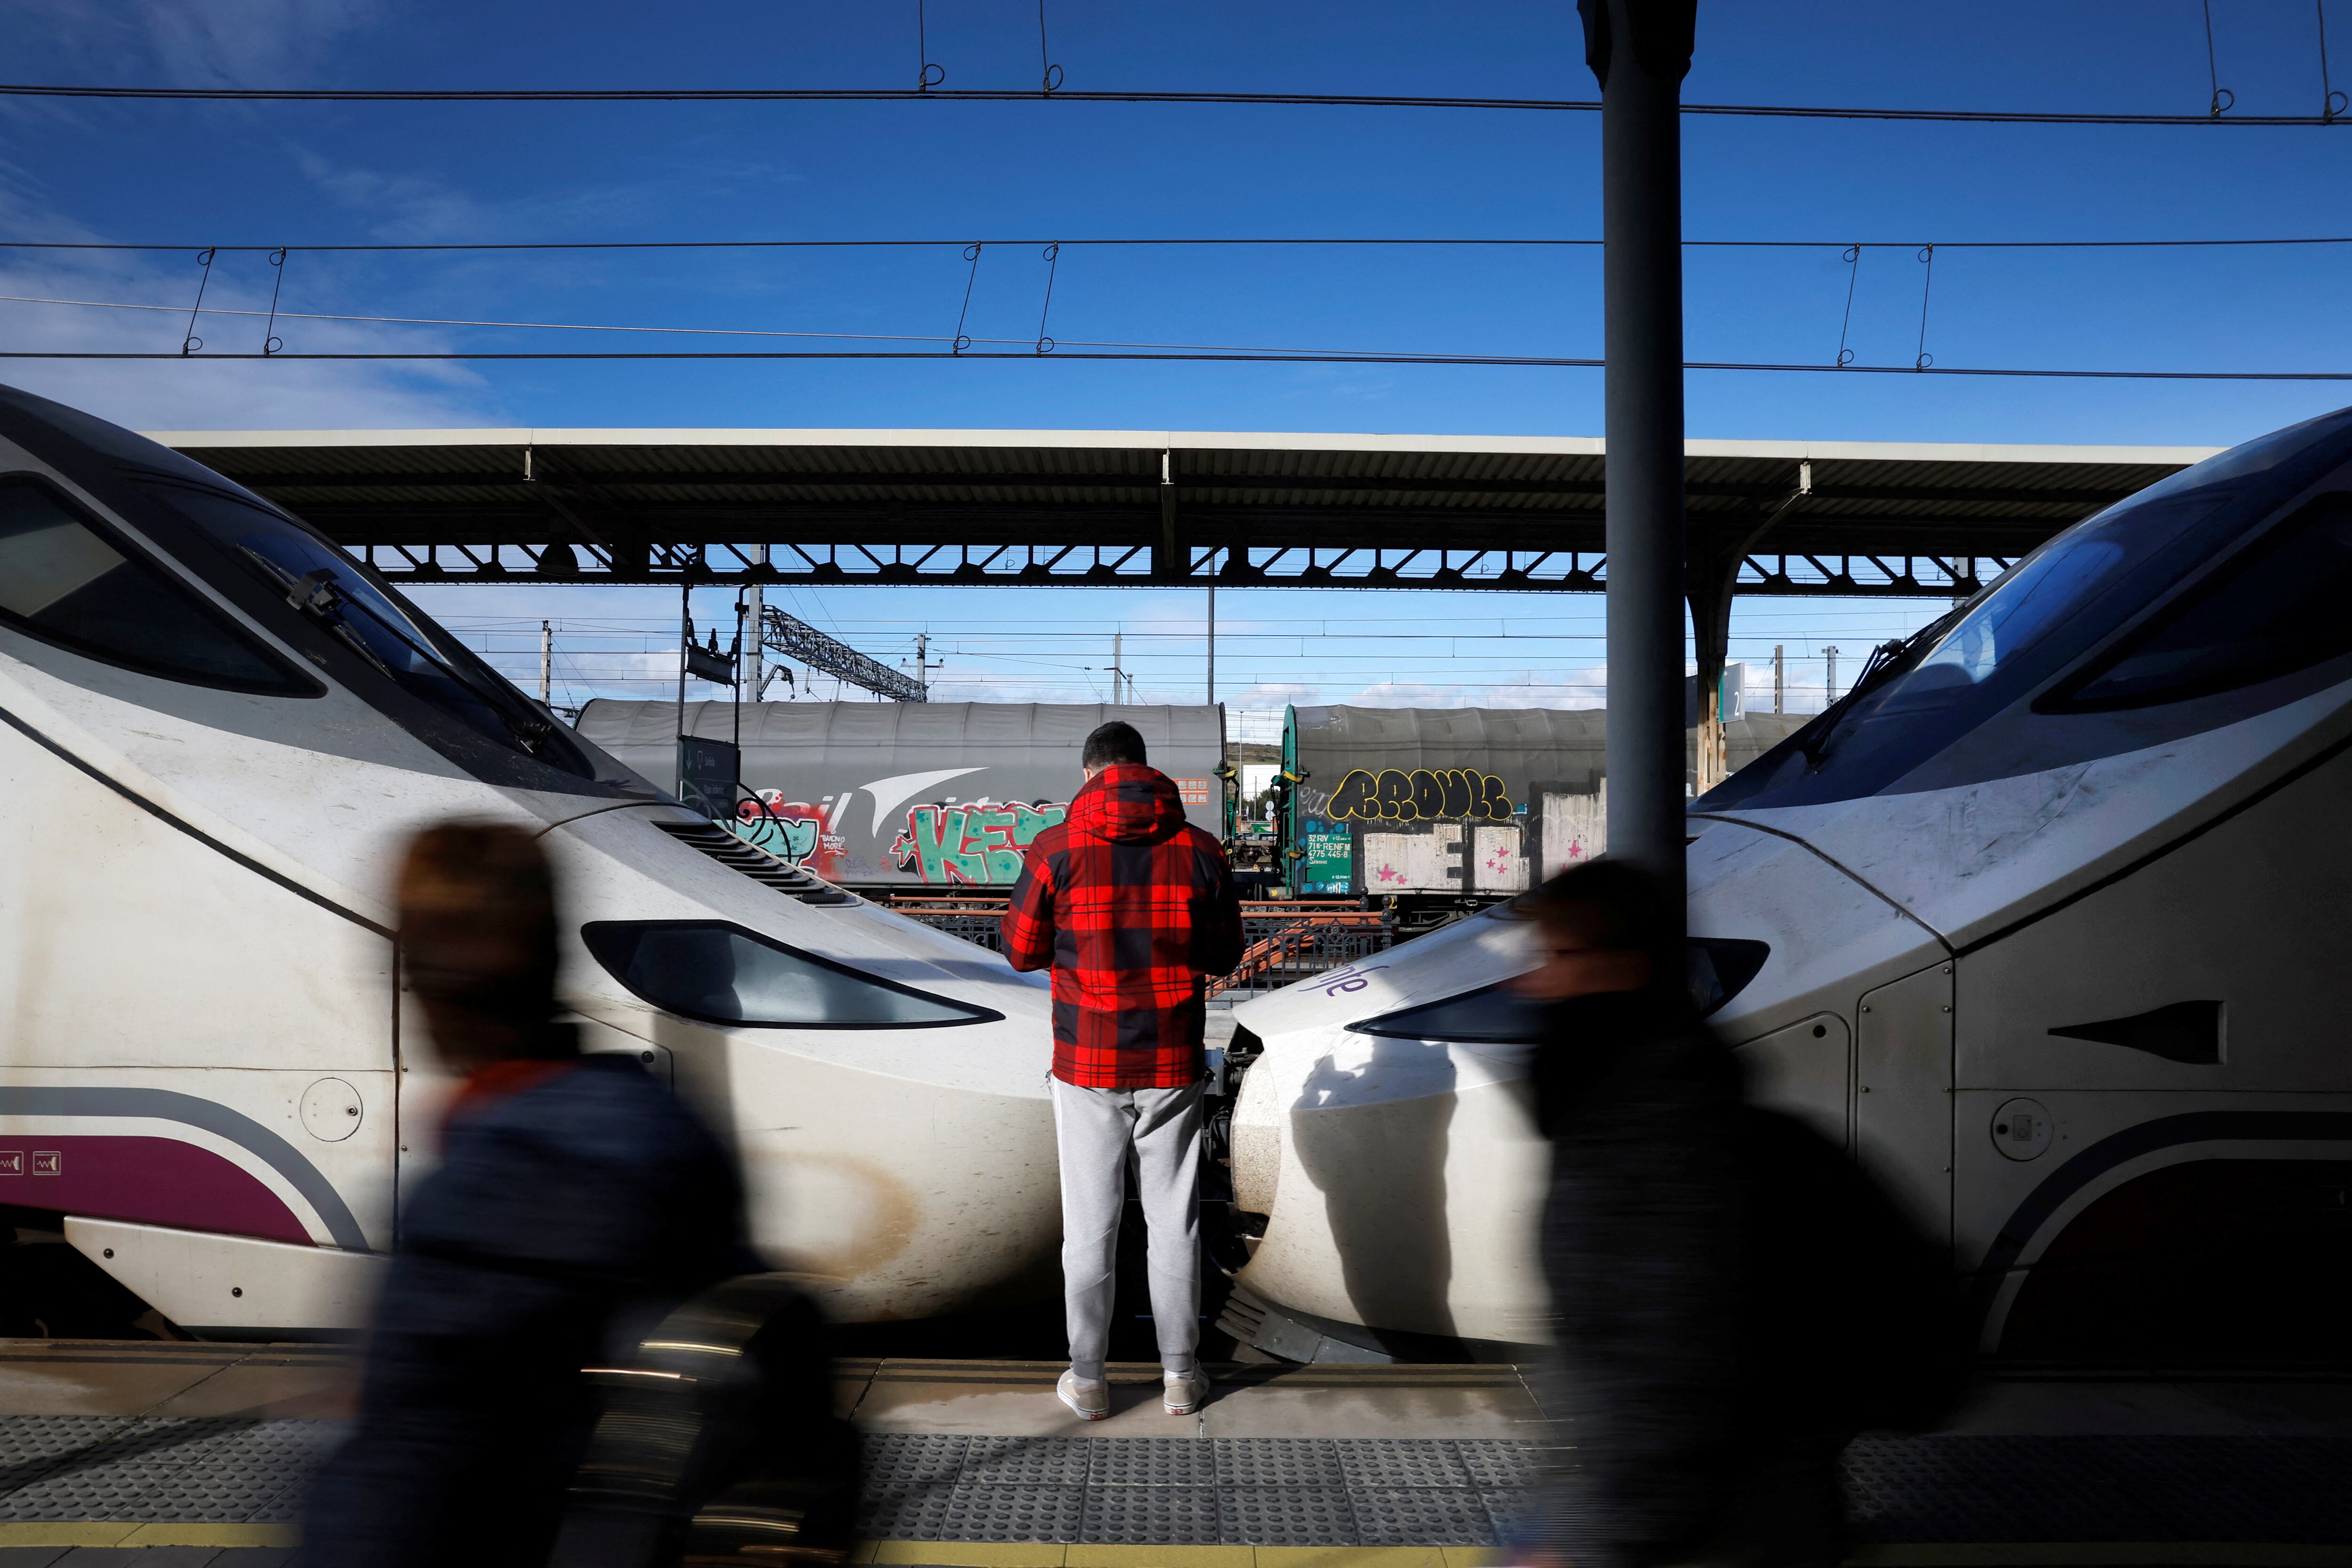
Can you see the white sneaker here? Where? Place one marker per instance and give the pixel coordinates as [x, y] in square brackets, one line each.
[1181, 1393]
[1090, 1400]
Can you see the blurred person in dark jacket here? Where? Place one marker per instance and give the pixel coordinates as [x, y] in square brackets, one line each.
[576, 1199]
[1134, 908]
[1641, 1233]
[1732, 1299]
[1730, 1295]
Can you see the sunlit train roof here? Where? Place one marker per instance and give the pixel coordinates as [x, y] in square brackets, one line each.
[1129, 506]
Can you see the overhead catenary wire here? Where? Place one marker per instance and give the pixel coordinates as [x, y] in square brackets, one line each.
[962, 346]
[1208, 240]
[1239, 356]
[1063, 95]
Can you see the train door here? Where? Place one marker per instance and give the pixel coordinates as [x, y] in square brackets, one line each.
[2154, 1111]
[1903, 1093]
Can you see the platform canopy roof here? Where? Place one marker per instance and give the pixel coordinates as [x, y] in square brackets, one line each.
[1094, 507]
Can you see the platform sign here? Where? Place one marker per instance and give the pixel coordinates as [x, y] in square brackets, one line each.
[1329, 865]
[707, 772]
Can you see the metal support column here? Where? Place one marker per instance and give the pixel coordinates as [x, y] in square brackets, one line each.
[1640, 50]
[684, 639]
[1213, 629]
[755, 611]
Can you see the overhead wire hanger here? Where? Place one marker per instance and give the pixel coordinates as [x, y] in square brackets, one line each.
[1053, 263]
[1926, 282]
[1050, 80]
[2331, 101]
[1852, 258]
[2223, 98]
[971, 253]
[189, 342]
[271, 342]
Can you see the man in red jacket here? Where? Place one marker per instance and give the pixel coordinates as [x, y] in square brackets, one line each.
[1134, 908]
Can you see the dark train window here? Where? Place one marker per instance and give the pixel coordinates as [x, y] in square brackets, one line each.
[1493, 1015]
[345, 597]
[65, 579]
[2276, 610]
[1719, 967]
[722, 974]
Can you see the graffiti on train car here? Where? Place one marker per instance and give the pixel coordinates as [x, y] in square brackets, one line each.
[792, 830]
[979, 843]
[1422, 795]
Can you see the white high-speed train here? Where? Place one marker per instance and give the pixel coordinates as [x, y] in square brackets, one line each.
[2046, 921]
[215, 729]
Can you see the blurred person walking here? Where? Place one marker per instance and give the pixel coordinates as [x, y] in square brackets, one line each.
[1732, 1299]
[576, 1200]
[1133, 909]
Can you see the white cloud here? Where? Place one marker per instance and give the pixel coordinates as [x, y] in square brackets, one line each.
[201, 392]
[423, 208]
[1579, 688]
[190, 43]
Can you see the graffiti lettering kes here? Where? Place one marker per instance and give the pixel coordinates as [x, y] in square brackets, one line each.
[792, 830]
[972, 844]
[1420, 795]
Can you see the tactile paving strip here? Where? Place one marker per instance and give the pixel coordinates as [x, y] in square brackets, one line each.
[1277, 1462]
[1502, 1463]
[1000, 1514]
[1027, 1461]
[1152, 1516]
[1152, 1461]
[155, 1469]
[2100, 1488]
[33, 1446]
[899, 1461]
[1420, 1516]
[1305, 1491]
[1516, 1513]
[1398, 1462]
[1287, 1516]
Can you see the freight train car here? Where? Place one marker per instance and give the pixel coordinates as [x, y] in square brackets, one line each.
[924, 794]
[1433, 805]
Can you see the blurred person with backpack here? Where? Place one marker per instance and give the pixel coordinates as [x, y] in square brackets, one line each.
[576, 1202]
[1732, 1299]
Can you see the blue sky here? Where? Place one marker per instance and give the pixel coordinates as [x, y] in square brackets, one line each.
[191, 175]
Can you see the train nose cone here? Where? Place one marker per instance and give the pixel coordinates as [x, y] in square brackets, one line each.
[911, 1175]
[1401, 1176]
[1387, 1129]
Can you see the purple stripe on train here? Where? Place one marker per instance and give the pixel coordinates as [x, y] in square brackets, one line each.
[153, 1181]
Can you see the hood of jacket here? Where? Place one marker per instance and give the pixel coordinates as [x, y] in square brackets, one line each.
[1128, 802]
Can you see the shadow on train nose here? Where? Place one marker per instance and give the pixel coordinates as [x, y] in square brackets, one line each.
[1373, 1139]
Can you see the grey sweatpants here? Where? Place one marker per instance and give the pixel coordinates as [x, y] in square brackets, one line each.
[1103, 1135]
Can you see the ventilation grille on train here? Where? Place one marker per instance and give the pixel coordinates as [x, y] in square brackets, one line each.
[757, 864]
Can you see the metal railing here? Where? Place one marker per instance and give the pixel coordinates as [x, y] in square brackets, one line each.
[1289, 944]
[1286, 939]
[977, 917]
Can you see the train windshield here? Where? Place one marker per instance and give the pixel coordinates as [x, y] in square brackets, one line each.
[1915, 699]
[341, 595]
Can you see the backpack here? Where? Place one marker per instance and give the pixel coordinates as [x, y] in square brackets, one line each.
[718, 1442]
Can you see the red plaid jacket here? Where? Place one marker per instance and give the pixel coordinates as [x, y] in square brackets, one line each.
[1134, 908]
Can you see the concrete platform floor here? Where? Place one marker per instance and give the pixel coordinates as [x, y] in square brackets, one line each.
[153, 1455]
